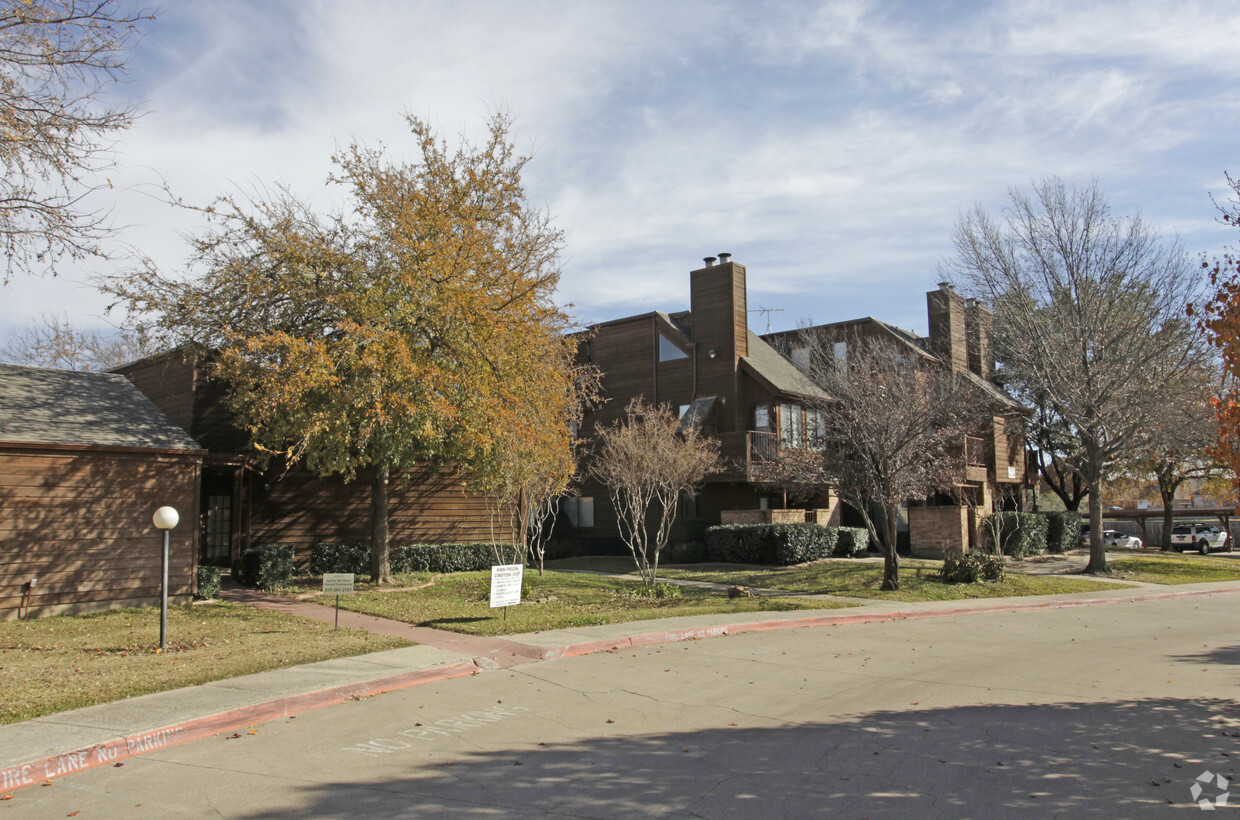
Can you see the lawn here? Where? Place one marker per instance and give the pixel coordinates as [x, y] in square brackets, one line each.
[52, 664]
[1174, 568]
[919, 579]
[460, 602]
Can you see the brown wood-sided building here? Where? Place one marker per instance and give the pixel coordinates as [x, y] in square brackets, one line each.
[85, 460]
[244, 505]
[738, 388]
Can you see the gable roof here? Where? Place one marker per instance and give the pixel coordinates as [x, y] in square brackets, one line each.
[39, 405]
[769, 366]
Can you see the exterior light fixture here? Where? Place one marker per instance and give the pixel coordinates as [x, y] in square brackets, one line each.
[713, 352]
[165, 519]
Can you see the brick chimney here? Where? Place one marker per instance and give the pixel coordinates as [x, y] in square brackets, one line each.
[949, 338]
[980, 327]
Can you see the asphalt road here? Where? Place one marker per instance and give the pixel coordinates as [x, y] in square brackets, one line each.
[1101, 711]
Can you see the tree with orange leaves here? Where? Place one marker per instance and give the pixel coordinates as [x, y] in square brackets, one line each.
[416, 325]
[1219, 318]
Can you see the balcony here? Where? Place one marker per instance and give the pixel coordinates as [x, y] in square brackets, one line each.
[974, 459]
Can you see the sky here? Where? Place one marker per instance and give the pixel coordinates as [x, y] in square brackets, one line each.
[830, 147]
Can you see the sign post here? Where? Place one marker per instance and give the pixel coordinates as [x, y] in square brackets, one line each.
[506, 586]
[337, 583]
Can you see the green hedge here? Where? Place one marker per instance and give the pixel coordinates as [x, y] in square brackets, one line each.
[1022, 534]
[852, 541]
[208, 582]
[267, 566]
[441, 557]
[769, 544]
[1063, 531]
[353, 558]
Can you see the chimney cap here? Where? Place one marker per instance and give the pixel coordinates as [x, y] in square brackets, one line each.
[724, 258]
[945, 285]
[709, 260]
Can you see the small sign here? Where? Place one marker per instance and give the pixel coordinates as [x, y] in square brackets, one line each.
[506, 585]
[337, 583]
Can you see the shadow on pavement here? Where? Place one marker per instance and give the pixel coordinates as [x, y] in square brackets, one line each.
[1106, 760]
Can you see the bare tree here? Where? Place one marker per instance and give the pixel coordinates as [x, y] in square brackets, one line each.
[1089, 312]
[51, 341]
[893, 428]
[56, 57]
[1178, 447]
[647, 460]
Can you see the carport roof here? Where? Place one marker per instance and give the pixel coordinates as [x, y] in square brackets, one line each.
[40, 405]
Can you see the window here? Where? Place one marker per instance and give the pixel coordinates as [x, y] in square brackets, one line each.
[668, 351]
[800, 357]
[791, 425]
[580, 511]
[761, 417]
[840, 351]
[684, 408]
[815, 427]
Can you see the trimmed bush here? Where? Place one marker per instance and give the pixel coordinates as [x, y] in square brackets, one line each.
[852, 541]
[1022, 534]
[1063, 531]
[769, 544]
[354, 558]
[267, 566]
[972, 567]
[687, 529]
[208, 582]
[441, 557]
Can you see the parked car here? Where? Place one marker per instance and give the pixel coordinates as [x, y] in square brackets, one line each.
[1205, 538]
[1113, 538]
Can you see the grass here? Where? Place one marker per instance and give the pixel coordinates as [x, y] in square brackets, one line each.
[919, 581]
[52, 664]
[460, 602]
[1173, 568]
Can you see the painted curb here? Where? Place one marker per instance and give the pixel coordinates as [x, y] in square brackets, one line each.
[114, 752]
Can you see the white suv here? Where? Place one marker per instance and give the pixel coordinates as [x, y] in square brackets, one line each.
[1203, 537]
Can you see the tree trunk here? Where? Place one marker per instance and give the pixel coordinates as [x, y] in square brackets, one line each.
[380, 569]
[891, 557]
[1166, 489]
[1097, 547]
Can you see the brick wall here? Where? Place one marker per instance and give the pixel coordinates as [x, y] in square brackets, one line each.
[935, 531]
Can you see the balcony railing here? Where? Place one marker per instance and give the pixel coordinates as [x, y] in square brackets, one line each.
[974, 451]
[763, 447]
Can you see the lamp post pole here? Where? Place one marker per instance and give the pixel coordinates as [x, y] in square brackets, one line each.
[165, 519]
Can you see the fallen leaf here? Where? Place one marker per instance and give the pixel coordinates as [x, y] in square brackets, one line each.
[609, 720]
[253, 731]
[74, 813]
[117, 765]
[7, 797]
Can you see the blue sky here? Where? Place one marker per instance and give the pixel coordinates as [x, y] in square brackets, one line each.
[829, 147]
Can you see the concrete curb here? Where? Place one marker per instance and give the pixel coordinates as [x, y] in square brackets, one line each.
[114, 752]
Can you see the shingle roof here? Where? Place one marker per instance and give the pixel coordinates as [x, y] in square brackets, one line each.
[766, 362]
[43, 406]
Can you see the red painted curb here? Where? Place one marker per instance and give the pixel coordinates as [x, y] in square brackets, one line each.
[672, 636]
[113, 752]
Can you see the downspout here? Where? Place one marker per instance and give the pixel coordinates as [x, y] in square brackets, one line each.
[654, 359]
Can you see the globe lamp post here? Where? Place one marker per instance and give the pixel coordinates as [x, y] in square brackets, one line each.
[165, 519]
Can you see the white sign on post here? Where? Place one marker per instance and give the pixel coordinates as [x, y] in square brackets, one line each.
[506, 585]
[337, 583]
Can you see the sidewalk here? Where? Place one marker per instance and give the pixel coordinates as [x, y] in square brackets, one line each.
[39, 750]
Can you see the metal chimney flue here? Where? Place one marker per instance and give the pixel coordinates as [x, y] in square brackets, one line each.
[709, 260]
[725, 258]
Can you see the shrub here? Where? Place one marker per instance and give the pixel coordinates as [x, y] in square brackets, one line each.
[852, 541]
[441, 558]
[972, 567]
[660, 590]
[208, 582]
[689, 552]
[769, 544]
[1063, 531]
[267, 566]
[1021, 534]
[687, 529]
[354, 558]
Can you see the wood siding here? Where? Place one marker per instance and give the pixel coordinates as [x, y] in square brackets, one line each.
[424, 506]
[1009, 446]
[80, 522]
